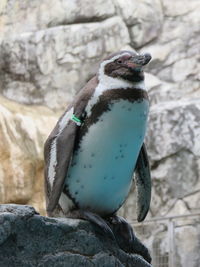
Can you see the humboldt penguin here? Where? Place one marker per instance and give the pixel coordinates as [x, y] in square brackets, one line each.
[97, 146]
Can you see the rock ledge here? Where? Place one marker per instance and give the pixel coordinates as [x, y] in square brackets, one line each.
[28, 239]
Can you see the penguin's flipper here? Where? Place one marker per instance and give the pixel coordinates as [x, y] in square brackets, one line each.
[58, 149]
[143, 184]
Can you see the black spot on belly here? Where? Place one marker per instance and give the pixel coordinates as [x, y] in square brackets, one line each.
[105, 177]
[76, 193]
[66, 187]
[78, 181]
[82, 186]
[92, 155]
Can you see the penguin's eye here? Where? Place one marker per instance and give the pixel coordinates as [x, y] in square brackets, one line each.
[119, 61]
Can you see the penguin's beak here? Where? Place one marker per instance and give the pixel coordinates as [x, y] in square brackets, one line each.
[137, 62]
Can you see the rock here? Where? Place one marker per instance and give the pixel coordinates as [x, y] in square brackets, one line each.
[23, 130]
[173, 147]
[174, 127]
[179, 70]
[144, 19]
[179, 7]
[28, 239]
[192, 200]
[24, 16]
[176, 52]
[187, 245]
[60, 58]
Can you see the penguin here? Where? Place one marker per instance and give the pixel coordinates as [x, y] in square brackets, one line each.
[97, 148]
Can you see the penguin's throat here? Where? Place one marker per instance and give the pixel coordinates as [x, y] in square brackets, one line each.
[105, 85]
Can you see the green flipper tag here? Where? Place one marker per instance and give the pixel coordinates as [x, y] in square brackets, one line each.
[76, 120]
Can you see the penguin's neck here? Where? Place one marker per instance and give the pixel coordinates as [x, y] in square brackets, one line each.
[109, 83]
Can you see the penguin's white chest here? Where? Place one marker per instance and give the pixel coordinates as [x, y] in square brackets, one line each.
[100, 174]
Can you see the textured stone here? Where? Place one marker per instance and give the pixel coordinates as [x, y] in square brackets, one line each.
[192, 200]
[23, 130]
[187, 246]
[19, 16]
[174, 126]
[176, 52]
[61, 58]
[173, 147]
[32, 240]
[144, 19]
[174, 152]
[179, 7]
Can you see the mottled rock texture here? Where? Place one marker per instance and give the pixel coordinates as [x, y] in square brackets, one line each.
[48, 66]
[23, 130]
[28, 239]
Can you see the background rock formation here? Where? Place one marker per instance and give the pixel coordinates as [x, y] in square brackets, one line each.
[23, 130]
[49, 49]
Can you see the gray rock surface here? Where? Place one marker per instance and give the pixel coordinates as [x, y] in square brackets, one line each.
[20, 16]
[46, 45]
[174, 149]
[28, 239]
[23, 131]
[49, 66]
[143, 18]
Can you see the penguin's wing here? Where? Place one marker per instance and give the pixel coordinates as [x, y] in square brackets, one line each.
[59, 146]
[143, 184]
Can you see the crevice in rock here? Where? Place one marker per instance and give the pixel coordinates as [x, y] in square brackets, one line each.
[80, 20]
[156, 163]
[89, 256]
[170, 208]
[174, 17]
[191, 193]
[186, 204]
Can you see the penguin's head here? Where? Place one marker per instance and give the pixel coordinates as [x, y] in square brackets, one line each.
[126, 65]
